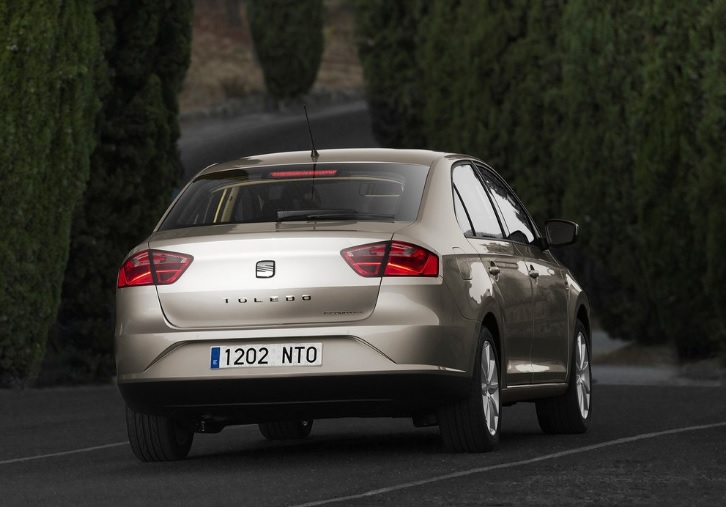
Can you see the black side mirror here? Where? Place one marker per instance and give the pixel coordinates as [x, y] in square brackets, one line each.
[561, 232]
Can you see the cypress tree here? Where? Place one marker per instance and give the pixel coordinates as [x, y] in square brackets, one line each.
[664, 125]
[483, 79]
[706, 194]
[445, 77]
[536, 110]
[601, 45]
[135, 169]
[387, 35]
[494, 89]
[288, 39]
[634, 153]
[612, 113]
[48, 52]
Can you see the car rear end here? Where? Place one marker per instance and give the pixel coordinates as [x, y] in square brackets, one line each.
[290, 288]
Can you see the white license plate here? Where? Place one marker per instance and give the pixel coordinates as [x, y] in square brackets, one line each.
[260, 356]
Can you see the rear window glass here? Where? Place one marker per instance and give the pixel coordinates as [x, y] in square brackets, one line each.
[366, 191]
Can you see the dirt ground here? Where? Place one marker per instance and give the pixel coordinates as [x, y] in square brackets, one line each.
[224, 67]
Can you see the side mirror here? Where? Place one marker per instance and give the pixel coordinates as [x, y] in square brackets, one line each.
[561, 232]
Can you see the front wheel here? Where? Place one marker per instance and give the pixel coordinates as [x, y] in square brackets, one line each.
[571, 412]
[473, 423]
[157, 438]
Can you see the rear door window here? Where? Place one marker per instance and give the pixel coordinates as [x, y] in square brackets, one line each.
[516, 220]
[474, 210]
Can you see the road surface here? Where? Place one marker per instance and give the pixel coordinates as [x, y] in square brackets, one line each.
[647, 445]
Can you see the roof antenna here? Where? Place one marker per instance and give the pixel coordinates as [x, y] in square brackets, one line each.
[314, 153]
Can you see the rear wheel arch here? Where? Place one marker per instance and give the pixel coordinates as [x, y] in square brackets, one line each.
[490, 323]
[473, 423]
[583, 316]
[571, 412]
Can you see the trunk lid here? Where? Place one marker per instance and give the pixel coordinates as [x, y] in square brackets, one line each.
[269, 274]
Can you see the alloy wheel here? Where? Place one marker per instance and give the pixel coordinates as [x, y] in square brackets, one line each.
[490, 388]
[582, 364]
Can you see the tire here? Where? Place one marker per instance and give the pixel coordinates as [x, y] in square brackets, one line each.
[473, 424]
[571, 412]
[286, 430]
[156, 438]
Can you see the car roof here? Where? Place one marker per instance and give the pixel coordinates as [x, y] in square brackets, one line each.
[419, 157]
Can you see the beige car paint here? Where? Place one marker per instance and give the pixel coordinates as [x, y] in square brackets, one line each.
[373, 325]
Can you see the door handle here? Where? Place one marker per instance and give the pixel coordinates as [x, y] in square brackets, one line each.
[533, 272]
[494, 269]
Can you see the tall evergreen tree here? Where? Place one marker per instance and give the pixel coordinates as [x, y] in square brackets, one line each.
[501, 102]
[135, 169]
[602, 45]
[611, 112]
[535, 105]
[472, 76]
[445, 90]
[388, 34]
[706, 194]
[48, 51]
[288, 38]
[664, 124]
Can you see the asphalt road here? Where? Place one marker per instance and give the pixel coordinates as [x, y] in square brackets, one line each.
[647, 445]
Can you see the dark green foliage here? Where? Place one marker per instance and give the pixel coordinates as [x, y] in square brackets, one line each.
[664, 128]
[48, 50]
[534, 104]
[470, 76]
[610, 113]
[629, 143]
[705, 195]
[134, 171]
[387, 33]
[288, 38]
[501, 99]
[447, 88]
[601, 45]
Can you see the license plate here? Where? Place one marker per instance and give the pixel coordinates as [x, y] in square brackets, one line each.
[260, 356]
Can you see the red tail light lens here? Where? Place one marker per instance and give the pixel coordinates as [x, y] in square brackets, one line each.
[166, 269]
[366, 260]
[405, 259]
[391, 258]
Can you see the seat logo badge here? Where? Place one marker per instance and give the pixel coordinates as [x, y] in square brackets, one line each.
[265, 269]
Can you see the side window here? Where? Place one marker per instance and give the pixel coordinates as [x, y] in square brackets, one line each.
[473, 208]
[514, 215]
[462, 216]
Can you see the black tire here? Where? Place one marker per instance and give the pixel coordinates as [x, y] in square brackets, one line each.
[156, 438]
[473, 424]
[571, 412]
[286, 430]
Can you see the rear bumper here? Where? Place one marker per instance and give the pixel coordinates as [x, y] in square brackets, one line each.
[253, 400]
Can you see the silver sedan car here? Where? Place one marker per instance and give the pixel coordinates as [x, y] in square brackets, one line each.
[283, 288]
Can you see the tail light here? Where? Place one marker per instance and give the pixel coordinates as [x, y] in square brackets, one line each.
[153, 267]
[391, 258]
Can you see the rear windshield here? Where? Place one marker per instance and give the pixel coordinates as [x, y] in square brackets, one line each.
[360, 191]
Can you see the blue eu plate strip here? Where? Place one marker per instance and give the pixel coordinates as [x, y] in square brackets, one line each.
[215, 357]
